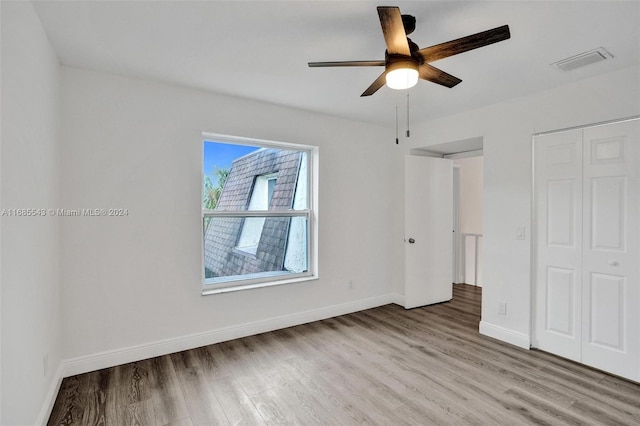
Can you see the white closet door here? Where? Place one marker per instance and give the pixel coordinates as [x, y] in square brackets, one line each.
[558, 193]
[587, 197]
[611, 256]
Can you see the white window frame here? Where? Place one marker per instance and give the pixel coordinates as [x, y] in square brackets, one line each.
[265, 279]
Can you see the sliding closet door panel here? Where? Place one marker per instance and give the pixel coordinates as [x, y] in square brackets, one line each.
[558, 192]
[611, 295]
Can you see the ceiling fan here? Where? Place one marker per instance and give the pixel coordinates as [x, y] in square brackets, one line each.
[405, 62]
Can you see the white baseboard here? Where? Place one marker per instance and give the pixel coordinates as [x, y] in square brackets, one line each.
[115, 357]
[398, 299]
[506, 335]
[50, 399]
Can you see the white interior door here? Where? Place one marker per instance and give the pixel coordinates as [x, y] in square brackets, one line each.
[611, 271]
[558, 191]
[588, 246]
[428, 230]
[456, 276]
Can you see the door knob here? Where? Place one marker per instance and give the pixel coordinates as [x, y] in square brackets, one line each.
[411, 241]
[613, 263]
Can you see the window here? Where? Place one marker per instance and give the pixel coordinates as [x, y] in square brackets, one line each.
[253, 226]
[258, 217]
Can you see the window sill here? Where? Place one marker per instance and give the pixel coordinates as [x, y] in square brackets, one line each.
[206, 291]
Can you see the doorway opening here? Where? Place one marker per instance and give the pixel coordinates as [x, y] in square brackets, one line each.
[468, 191]
[468, 234]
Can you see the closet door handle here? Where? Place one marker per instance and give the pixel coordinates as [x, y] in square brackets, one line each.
[613, 263]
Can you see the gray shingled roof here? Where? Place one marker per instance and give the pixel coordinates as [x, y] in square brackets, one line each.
[222, 258]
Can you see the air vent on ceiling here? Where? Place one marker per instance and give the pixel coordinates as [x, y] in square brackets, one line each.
[583, 59]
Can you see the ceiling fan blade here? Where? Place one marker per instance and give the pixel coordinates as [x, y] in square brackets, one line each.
[380, 81]
[347, 64]
[393, 31]
[435, 75]
[464, 44]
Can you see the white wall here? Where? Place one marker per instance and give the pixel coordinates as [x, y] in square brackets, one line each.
[135, 280]
[471, 188]
[31, 319]
[506, 129]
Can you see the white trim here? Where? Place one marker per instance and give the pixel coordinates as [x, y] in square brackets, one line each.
[241, 140]
[506, 335]
[398, 299]
[311, 212]
[533, 241]
[423, 152]
[97, 361]
[464, 154]
[50, 398]
[584, 126]
[249, 284]
[256, 213]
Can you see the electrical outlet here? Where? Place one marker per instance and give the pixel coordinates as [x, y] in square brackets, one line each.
[502, 308]
[351, 285]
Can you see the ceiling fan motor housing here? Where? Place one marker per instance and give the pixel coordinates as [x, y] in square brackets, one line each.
[394, 62]
[409, 23]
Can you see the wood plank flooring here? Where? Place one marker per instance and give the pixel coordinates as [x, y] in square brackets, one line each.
[382, 366]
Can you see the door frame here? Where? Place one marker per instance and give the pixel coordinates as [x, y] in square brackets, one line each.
[458, 243]
[457, 149]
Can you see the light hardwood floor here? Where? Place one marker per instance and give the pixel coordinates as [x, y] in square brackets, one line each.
[383, 366]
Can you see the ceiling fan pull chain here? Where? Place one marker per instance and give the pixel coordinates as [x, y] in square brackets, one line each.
[408, 132]
[396, 124]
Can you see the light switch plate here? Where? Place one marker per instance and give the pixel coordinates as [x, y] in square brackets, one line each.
[502, 308]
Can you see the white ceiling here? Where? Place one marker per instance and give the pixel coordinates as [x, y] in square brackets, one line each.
[260, 49]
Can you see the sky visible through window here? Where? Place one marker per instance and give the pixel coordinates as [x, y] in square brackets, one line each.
[220, 155]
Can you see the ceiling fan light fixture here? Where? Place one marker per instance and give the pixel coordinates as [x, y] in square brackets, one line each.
[402, 74]
[405, 63]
